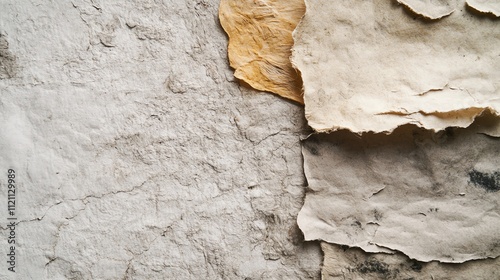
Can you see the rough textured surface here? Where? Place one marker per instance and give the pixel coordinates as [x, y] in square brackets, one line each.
[372, 66]
[137, 154]
[430, 9]
[431, 196]
[7, 59]
[260, 42]
[354, 264]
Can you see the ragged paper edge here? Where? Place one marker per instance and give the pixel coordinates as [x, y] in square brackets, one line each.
[486, 123]
[425, 9]
[458, 118]
[461, 118]
[293, 90]
[412, 118]
[485, 6]
[369, 247]
[340, 262]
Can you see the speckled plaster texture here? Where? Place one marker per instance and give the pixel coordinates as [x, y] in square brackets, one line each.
[137, 153]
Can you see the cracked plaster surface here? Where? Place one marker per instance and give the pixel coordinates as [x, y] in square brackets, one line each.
[137, 154]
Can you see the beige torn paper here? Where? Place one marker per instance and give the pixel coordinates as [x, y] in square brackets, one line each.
[354, 264]
[430, 196]
[485, 6]
[260, 42]
[370, 66]
[431, 9]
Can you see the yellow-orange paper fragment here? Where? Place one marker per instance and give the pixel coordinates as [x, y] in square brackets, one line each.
[260, 42]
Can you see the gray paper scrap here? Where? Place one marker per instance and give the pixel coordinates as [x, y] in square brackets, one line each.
[431, 196]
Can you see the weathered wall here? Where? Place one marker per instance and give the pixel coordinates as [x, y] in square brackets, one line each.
[137, 154]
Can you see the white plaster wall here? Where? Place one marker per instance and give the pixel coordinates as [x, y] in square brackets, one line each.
[137, 154]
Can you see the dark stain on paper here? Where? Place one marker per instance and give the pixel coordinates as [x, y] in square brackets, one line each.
[416, 266]
[488, 181]
[373, 266]
[311, 146]
[314, 151]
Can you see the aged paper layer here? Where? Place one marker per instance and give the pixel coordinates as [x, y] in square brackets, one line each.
[354, 264]
[429, 196]
[430, 9]
[485, 6]
[370, 66]
[260, 42]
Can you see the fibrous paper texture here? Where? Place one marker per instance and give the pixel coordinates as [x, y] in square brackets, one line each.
[260, 42]
[371, 66]
[354, 264]
[429, 196]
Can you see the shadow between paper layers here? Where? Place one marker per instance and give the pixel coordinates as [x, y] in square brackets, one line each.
[402, 169]
[371, 66]
[395, 86]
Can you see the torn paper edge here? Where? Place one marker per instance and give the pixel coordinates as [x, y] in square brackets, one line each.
[473, 4]
[298, 98]
[416, 122]
[417, 11]
[372, 246]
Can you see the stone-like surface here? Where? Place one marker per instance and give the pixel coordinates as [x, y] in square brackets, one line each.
[7, 59]
[137, 155]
